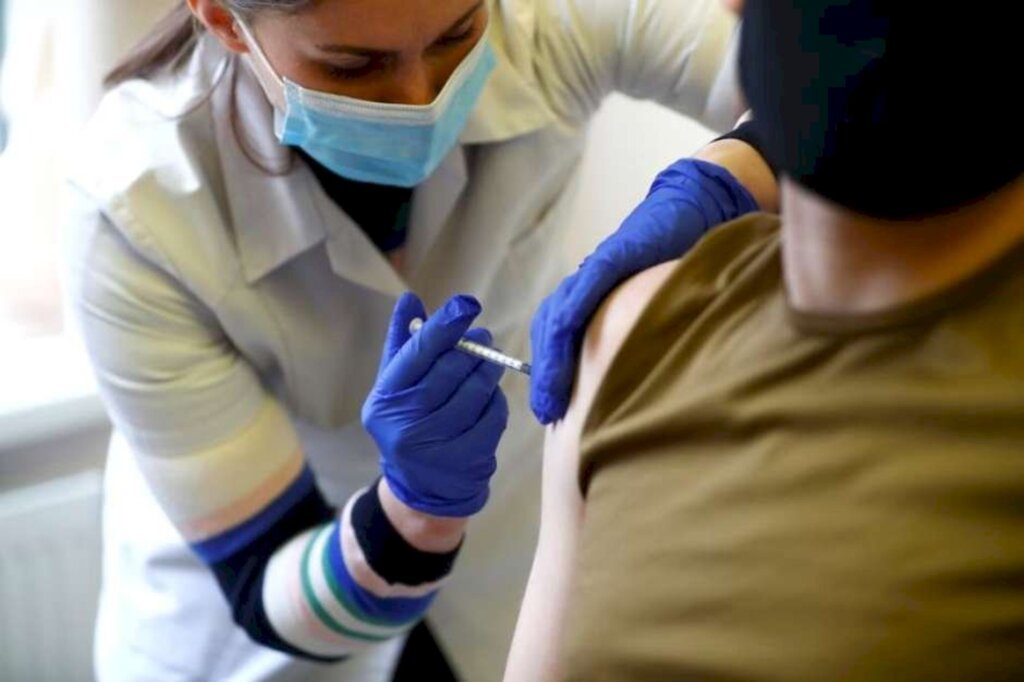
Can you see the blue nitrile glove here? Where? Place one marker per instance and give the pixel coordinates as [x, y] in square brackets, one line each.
[436, 413]
[685, 200]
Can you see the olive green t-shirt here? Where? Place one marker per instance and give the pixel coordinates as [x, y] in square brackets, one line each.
[772, 496]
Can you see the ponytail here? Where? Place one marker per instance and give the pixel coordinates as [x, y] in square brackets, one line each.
[171, 41]
[164, 48]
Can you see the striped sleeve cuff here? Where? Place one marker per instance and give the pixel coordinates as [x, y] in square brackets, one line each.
[324, 596]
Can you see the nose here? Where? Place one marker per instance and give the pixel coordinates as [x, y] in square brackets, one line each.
[415, 84]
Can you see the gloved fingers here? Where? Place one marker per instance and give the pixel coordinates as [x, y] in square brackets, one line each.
[406, 309]
[547, 341]
[451, 477]
[453, 366]
[687, 185]
[733, 198]
[551, 387]
[664, 226]
[560, 336]
[480, 335]
[449, 371]
[439, 333]
[556, 335]
[457, 364]
[467, 403]
[483, 437]
[711, 188]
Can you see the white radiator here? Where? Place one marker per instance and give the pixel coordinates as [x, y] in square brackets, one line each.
[49, 579]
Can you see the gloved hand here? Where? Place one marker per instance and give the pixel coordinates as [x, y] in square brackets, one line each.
[436, 413]
[685, 200]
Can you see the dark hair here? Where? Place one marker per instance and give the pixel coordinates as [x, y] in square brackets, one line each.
[172, 39]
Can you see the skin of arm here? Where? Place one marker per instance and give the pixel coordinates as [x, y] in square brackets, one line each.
[425, 532]
[748, 167]
[536, 647]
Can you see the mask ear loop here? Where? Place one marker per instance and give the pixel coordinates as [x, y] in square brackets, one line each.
[272, 84]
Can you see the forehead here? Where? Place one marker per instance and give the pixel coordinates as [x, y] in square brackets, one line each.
[387, 25]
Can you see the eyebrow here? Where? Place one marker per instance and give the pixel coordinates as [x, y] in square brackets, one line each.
[369, 52]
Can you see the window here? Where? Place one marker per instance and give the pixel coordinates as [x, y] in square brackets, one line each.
[52, 57]
[29, 295]
[3, 119]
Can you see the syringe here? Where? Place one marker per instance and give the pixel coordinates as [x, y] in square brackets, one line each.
[481, 351]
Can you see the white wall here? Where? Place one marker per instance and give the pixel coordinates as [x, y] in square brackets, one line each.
[630, 142]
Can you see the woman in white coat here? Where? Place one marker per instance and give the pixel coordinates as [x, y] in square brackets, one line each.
[262, 181]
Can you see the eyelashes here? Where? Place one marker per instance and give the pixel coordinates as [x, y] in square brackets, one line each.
[373, 65]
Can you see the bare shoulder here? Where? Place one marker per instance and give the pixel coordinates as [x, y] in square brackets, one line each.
[611, 325]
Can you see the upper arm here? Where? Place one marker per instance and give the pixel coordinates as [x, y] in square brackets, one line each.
[680, 53]
[190, 405]
[218, 452]
[750, 169]
[536, 647]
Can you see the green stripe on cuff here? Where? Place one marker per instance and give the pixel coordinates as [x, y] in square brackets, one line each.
[339, 593]
[314, 602]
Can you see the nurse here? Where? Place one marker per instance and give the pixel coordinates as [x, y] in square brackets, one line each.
[264, 179]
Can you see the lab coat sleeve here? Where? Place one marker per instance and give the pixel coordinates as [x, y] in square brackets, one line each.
[222, 458]
[680, 53]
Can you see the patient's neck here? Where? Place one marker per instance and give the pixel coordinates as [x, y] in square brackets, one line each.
[839, 262]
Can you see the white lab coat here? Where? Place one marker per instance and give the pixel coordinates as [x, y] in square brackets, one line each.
[284, 294]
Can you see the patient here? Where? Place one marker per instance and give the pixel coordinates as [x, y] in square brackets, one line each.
[798, 452]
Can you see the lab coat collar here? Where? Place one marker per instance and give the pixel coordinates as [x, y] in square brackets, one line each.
[269, 195]
[432, 204]
[354, 257]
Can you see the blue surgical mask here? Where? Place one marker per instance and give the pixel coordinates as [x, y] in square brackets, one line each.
[386, 144]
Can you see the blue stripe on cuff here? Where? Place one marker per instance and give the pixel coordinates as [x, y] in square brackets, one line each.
[396, 610]
[231, 541]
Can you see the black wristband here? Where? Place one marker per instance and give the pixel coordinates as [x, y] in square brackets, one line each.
[388, 553]
[748, 132]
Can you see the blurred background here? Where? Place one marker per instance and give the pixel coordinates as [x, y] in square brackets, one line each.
[53, 431]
